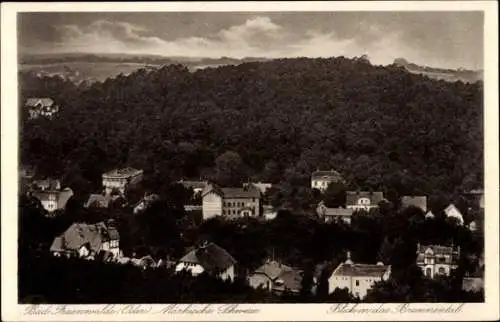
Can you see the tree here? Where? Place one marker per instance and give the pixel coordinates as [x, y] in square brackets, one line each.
[230, 169]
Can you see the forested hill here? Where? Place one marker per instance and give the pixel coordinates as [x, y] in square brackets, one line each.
[381, 127]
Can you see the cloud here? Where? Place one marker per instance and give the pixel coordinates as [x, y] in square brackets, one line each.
[257, 36]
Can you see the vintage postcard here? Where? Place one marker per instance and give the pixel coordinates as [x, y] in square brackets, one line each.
[250, 161]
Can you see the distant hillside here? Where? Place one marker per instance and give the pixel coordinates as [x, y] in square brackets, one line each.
[452, 75]
[97, 67]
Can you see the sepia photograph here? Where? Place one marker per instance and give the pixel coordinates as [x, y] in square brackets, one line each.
[250, 157]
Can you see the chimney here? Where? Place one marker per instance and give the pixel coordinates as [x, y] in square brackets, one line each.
[348, 261]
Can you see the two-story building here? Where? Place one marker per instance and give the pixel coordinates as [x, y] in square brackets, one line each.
[437, 260]
[357, 278]
[87, 241]
[321, 179]
[210, 258]
[231, 202]
[121, 179]
[334, 214]
[363, 200]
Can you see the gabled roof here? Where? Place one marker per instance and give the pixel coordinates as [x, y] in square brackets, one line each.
[122, 172]
[272, 269]
[322, 210]
[47, 184]
[361, 270]
[99, 200]
[436, 249]
[44, 101]
[452, 211]
[248, 192]
[331, 175]
[62, 197]
[80, 234]
[352, 197]
[212, 258]
[415, 201]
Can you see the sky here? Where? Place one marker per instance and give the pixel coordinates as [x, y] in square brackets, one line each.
[440, 39]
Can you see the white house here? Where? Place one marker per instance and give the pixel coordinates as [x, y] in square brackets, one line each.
[120, 179]
[210, 258]
[363, 200]
[452, 211]
[357, 278]
[334, 214]
[435, 260]
[230, 202]
[321, 179]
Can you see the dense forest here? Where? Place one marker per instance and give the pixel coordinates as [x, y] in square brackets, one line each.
[380, 127]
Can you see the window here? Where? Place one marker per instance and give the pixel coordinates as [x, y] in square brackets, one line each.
[441, 271]
[428, 260]
[223, 212]
[428, 271]
[224, 204]
[357, 282]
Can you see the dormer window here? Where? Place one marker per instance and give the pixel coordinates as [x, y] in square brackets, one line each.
[363, 201]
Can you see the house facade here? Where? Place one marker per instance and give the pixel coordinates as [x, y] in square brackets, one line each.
[321, 179]
[50, 194]
[231, 202]
[334, 214]
[41, 106]
[87, 241]
[209, 258]
[437, 260]
[453, 212]
[357, 278]
[363, 200]
[121, 179]
[276, 277]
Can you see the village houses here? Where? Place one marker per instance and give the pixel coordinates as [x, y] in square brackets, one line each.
[209, 258]
[357, 278]
[121, 179]
[88, 240]
[363, 200]
[231, 202]
[321, 179]
[334, 214]
[276, 277]
[437, 260]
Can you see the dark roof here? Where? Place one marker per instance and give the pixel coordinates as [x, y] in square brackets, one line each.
[436, 249]
[44, 101]
[122, 172]
[47, 184]
[99, 200]
[361, 270]
[352, 197]
[416, 201]
[331, 175]
[322, 210]
[272, 269]
[292, 280]
[79, 234]
[193, 184]
[233, 192]
[211, 257]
